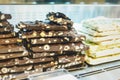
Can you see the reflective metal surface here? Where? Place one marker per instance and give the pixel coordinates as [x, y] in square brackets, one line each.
[107, 71]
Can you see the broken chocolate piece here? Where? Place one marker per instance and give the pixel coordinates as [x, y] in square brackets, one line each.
[5, 16]
[39, 25]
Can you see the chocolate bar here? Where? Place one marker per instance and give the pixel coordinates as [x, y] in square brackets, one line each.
[5, 16]
[13, 55]
[67, 59]
[6, 29]
[39, 25]
[57, 40]
[24, 61]
[38, 34]
[4, 23]
[44, 66]
[59, 47]
[71, 65]
[8, 35]
[11, 48]
[15, 69]
[59, 18]
[36, 60]
[38, 68]
[10, 41]
[42, 54]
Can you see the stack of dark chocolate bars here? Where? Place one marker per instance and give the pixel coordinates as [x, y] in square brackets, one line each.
[11, 49]
[40, 46]
[53, 42]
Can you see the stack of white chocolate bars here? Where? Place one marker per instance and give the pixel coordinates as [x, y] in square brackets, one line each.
[103, 38]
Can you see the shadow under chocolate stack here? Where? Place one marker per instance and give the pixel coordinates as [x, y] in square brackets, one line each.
[54, 43]
[11, 49]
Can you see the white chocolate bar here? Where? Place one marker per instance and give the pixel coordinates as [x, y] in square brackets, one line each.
[101, 60]
[105, 52]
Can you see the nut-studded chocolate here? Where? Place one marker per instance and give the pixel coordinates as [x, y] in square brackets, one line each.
[60, 18]
[10, 41]
[47, 65]
[8, 35]
[57, 40]
[5, 16]
[44, 34]
[13, 55]
[24, 61]
[7, 29]
[58, 47]
[39, 25]
[43, 54]
[4, 23]
[16, 69]
[11, 48]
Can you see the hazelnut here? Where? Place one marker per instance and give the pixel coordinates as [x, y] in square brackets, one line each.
[42, 39]
[55, 40]
[4, 70]
[22, 26]
[66, 38]
[77, 47]
[76, 39]
[61, 47]
[61, 33]
[66, 48]
[47, 27]
[34, 41]
[9, 50]
[19, 40]
[59, 20]
[46, 47]
[2, 16]
[50, 34]
[42, 34]
[1, 24]
[34, 34]
[29, 68]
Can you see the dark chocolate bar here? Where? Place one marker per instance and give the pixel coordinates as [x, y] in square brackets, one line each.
[59, 47]
[15, 69]
[36, 60]
[11, 48]
[10, 41]
[70, 65]
[6, 29]
[24, 61]
[13, 55]
[46, 65]
[39, 25]
[59, 18]
[42, 54]
[57, 40]
[67, 59]
[8, 35]
[38, 34]
[4, 23]
[5, 16]
[38, 68]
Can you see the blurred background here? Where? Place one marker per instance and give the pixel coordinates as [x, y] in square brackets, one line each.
[77, 13]
[59, 1]
[77, 10]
